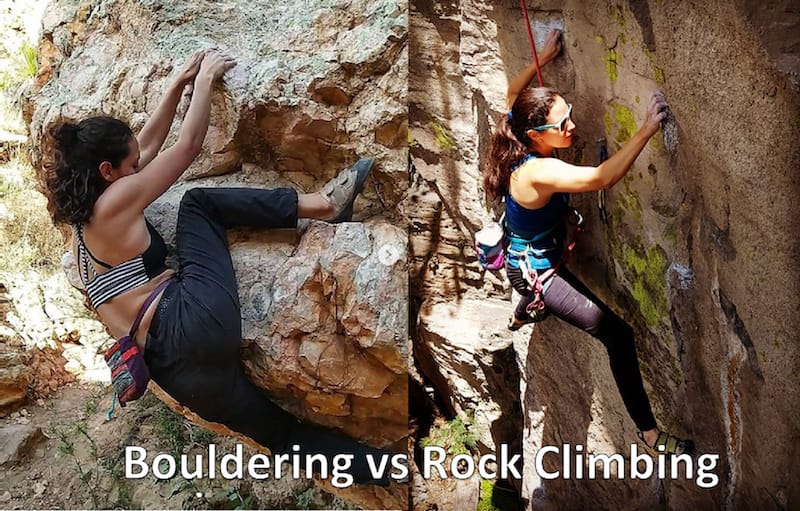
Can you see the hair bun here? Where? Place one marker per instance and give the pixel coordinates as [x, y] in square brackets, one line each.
[65, 133]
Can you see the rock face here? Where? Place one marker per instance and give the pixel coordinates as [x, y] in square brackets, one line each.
[697, 218]
[463, 350]
[316, 86]
[330, 327]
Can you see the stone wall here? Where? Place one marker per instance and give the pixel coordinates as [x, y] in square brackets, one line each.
[317, 85]
[697, 254]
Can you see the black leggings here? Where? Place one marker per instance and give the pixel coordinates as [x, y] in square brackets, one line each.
[568, 299]
[193, 343]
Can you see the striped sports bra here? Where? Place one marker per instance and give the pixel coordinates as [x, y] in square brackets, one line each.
[102, 287]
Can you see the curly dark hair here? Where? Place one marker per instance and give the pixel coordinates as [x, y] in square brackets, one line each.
[73, 154]
[510, 139]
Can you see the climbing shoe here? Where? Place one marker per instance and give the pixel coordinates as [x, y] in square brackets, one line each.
[667, 444]
[341, 191]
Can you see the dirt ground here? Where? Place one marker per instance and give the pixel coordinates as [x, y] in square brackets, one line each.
[79, 463]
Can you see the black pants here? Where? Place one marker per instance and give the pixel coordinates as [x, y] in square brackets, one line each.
[568, 299]
[193, 342]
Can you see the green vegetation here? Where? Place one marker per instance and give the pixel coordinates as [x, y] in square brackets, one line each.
[644, 268]
[30, 241]
[454, 436]
[17, 68]
[241, 502]
[494, 499]
[66, 446]
[74, 440]
[658, 73]
[28, 238]
[306, 499]
[176, 433]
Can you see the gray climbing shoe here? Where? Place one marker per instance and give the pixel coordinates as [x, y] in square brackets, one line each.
[342, 190]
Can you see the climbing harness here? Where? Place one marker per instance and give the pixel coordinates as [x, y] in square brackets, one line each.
[533, 45]
[538, 282]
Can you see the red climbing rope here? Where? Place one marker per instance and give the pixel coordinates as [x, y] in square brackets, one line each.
[533, 45]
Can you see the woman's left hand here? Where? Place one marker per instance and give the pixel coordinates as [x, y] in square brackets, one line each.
[191, 68]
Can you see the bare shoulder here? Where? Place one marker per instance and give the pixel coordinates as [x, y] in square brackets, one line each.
[534, 169]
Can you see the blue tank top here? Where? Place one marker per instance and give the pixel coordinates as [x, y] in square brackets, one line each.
[539, 233]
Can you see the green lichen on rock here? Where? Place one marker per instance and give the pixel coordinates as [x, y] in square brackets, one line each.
[627, 201]
[659, 74]
[611, 64]
[411, 141]
[598, 38]
[626, 123]
[442, 138]
[608, 122]
[645, 270]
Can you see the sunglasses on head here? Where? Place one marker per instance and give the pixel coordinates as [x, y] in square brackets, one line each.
[561, 125]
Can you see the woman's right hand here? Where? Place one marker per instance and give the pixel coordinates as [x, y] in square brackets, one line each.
[190, 69]
[656, 111]
[215, 64]
[552, 46]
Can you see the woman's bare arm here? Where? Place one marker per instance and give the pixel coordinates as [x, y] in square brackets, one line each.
[550, 175]
[155, 130]
[551, 49]
[129, 195]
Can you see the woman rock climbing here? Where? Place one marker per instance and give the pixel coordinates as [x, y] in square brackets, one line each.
[100, 179]
[523, 170]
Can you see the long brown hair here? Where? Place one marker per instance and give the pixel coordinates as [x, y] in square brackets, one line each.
[73, 153]
[510, 140]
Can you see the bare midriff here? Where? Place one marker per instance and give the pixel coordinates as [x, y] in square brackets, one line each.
[119, 313]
